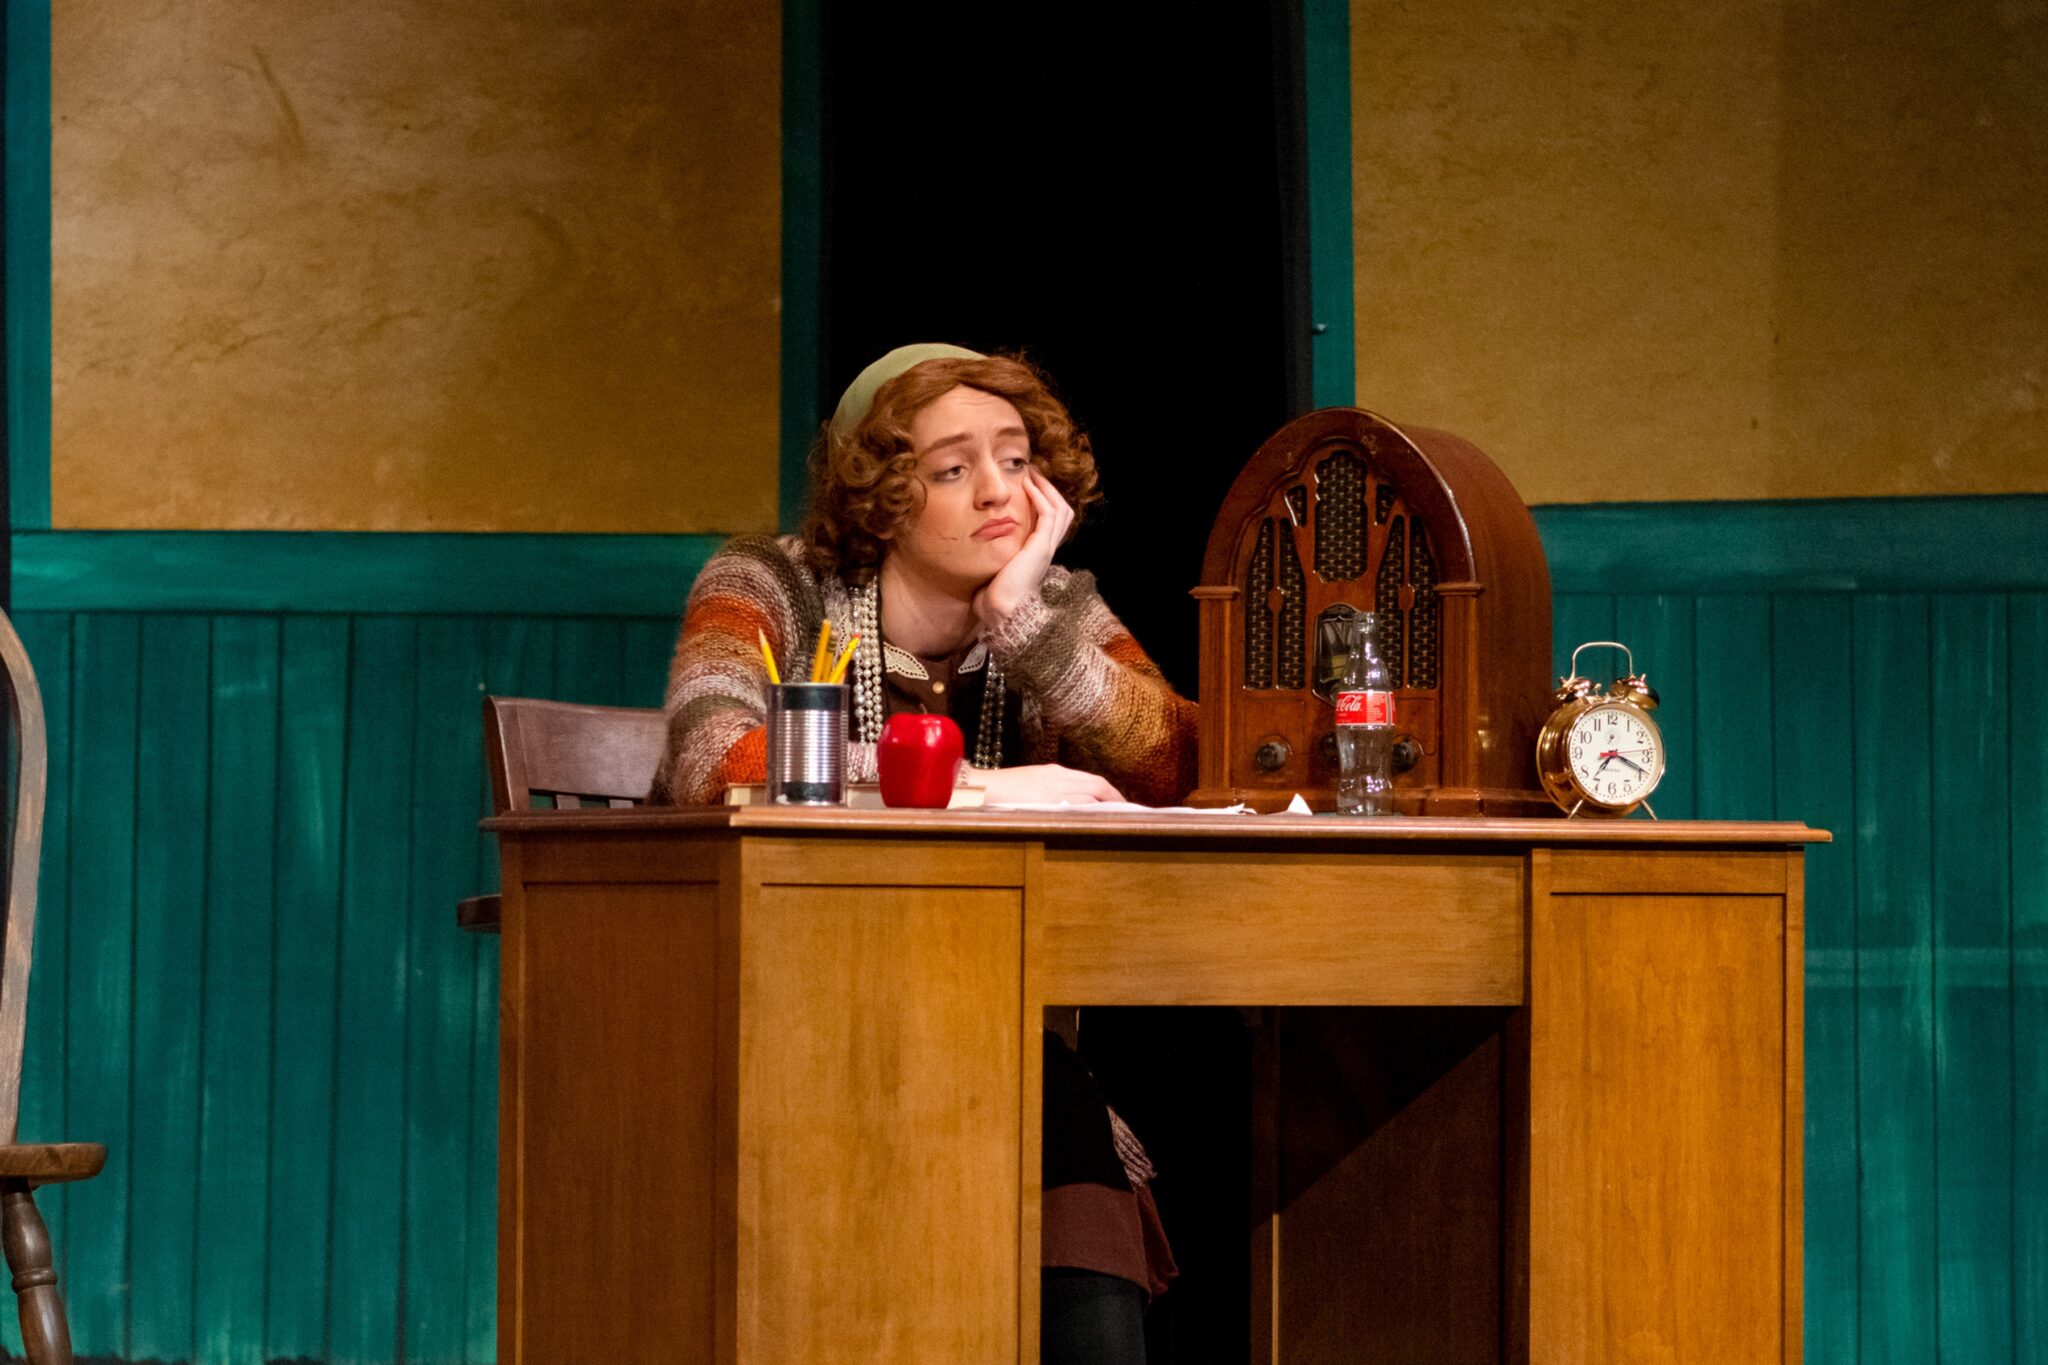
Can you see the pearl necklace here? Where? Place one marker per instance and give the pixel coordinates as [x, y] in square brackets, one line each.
[867, 683]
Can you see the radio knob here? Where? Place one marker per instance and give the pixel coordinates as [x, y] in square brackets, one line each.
[1272, 756]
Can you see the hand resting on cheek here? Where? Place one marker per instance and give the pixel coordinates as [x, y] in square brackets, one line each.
[1052, 516]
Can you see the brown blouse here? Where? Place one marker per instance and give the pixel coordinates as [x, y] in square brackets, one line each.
[948, 685]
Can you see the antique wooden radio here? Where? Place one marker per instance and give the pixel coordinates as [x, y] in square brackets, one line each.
[1342, 511]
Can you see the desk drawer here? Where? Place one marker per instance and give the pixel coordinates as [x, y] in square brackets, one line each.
[1178, 928]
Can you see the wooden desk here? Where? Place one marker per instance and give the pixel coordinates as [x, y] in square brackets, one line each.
[770, 1078]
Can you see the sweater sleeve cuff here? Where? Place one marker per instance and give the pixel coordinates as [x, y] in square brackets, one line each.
[1036, 644]
[1016, 631]
[1041, 641]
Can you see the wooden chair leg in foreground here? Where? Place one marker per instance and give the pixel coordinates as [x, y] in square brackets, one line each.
[45, 1334]
[24, 1165]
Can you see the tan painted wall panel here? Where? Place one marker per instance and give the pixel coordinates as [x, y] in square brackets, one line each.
[1671, 251]
[401, 265]
[1913, 248]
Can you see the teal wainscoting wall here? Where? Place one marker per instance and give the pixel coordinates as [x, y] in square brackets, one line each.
[266, 778]
[1875, 668]
[267, 772]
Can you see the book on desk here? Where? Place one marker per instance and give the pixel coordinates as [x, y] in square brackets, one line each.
[859, 796]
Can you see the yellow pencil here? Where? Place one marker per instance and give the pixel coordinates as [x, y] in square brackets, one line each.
[840, 664]
[768, 658]
[824, 654]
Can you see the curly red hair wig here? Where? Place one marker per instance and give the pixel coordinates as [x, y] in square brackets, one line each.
[864, 483]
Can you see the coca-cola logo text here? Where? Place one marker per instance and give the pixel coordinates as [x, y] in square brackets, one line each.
[1365, 708]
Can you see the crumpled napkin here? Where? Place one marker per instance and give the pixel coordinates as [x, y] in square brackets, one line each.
[1298, 806]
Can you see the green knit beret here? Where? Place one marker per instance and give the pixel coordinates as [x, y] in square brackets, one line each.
[860, 394]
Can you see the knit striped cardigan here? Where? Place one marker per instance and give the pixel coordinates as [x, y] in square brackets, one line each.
[1091, 698]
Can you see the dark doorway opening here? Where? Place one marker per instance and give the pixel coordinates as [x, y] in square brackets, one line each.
[1117, 192]
[1110, 189]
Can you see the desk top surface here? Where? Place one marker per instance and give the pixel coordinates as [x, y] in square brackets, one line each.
[1079, 827]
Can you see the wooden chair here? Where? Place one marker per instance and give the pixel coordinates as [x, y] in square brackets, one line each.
[566, 757]
[45, 1333]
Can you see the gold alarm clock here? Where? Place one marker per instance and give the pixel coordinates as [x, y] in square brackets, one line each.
[1600, 753]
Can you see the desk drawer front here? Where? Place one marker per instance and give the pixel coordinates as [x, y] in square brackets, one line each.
[1187, 928]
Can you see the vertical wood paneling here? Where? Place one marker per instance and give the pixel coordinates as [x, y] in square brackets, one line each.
[480, 1171]
[441, 987]
[1576, 618]
[590, 660]
[369, 1117]
[1895, 977]
[313, 725]
[100, 998]
[235, 1022]
[1972, 978]
[1813, 773]
[283, 813]
[2028, 845]
[170, 908]
[645, 670]
[1734, 700]
[480, 1182]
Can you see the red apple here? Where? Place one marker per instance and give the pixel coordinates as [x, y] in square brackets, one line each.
[919, 759]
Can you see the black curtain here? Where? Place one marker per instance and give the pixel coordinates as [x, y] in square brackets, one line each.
[1109, 189]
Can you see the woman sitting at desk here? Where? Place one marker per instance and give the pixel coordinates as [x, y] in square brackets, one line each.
[939, 492]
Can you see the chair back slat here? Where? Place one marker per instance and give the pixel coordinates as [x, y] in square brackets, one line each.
[24, 860]
[563, 755]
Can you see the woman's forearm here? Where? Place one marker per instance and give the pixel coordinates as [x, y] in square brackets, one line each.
[1115, 712]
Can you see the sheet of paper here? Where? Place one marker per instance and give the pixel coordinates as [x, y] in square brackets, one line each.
[1114, 808]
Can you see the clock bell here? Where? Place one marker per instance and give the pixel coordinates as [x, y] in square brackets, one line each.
[1342, 511]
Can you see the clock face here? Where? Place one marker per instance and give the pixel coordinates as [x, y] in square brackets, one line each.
[1615, 755]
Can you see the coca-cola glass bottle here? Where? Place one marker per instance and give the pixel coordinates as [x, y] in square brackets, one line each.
[1365, 726]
